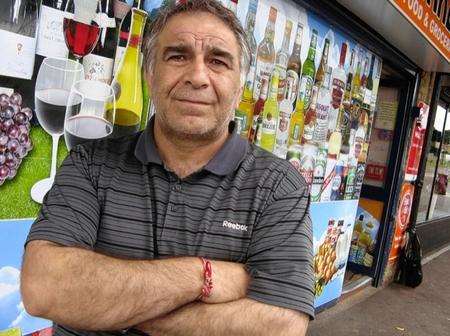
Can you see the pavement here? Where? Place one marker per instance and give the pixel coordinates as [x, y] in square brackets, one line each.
[395, 310]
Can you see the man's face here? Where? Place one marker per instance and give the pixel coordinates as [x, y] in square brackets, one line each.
[195, 82]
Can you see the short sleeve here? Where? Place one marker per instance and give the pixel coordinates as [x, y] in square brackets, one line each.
[70, 211]
[281, 249]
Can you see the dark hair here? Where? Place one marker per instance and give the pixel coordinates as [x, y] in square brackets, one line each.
[213, 7]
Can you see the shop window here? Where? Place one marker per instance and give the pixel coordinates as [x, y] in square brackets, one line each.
[435, 196]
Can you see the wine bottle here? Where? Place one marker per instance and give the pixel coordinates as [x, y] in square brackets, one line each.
[18, 21]
[98, 65]
[50, 40]
[127, 83]
[124, 32]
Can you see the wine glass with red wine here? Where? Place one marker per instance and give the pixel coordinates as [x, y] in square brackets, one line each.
[53, 84]
[81, 38]
[90, 112]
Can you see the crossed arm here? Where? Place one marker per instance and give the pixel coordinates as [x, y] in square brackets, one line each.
[86, 290]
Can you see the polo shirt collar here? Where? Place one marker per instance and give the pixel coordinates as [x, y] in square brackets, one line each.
[226, 160]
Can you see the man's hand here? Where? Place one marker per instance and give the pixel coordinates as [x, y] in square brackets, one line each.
[233, 318]
[230, 282]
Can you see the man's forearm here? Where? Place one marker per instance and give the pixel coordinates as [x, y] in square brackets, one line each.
[242, 317]
[90, 291]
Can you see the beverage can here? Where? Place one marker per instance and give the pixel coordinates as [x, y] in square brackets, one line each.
[307, 162]
[294, 155]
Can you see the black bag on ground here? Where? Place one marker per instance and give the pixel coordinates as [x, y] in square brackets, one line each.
[409, 272]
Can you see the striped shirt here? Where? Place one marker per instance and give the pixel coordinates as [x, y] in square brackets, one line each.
[116, 197]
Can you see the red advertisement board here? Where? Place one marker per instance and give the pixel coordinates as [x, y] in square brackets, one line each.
[415, 149]
[401, 219]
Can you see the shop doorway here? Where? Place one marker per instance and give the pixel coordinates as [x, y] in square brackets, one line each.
[379, 194]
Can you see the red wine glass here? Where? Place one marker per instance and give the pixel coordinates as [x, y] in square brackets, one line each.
[80, 37]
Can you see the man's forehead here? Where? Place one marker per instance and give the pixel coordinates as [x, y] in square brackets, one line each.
[202, 41]
[200, 29]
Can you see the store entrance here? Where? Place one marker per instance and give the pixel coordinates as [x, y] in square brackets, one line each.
[378, 195]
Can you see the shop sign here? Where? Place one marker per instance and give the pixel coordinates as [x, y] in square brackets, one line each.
[429, 18]
[402, 219]
[415, 150]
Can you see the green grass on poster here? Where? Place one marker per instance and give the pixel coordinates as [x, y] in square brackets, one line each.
[15, 199]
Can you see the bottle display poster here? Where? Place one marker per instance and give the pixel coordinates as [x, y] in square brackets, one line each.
[13, 234]
[364, 238]
[333, 227]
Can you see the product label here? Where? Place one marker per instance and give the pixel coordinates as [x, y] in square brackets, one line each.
[17, 56]
[98, 68]
[263, 70]
[337, 93]
[268, 127]
[323, 117]
[282, 130]
[304, 93]
[282, 81]
[308, 131]
[367, 96]
[50, 40]
[292, 77]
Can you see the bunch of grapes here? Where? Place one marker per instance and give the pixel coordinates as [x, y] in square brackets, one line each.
[15, 141]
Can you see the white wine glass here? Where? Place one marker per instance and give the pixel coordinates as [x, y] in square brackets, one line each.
[54, 81]
[90, 112]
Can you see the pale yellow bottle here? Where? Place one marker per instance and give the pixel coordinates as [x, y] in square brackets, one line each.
[127, 83]
[244, 113]
[270, 115]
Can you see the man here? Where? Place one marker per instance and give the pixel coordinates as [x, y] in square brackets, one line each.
[117, 243]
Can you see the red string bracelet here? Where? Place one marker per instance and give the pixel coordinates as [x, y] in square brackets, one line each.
[207, 276]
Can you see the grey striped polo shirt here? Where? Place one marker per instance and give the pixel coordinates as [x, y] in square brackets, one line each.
[116, 197]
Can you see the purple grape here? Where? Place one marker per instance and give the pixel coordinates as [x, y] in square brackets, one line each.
[23, 129]
[23, 138]
[13, 132]
[7, 124]
[12, 173]
[21, 152]
[4, 172]
[15, 99]
[20, 118]
[8, 112]
[11, 160]
[4, 100]
[3, 139]
[13, 145]
[28, 145]
[2, 159]
[28, 112]
[16, 108]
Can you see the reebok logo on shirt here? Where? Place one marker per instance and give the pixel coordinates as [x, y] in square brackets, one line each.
[234, 226]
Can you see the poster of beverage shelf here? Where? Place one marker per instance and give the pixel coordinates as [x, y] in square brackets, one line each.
[310, 98]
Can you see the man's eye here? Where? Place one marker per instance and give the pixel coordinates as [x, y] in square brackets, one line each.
[218, 62]
[177, 58]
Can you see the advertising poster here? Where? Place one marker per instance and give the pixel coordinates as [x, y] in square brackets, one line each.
[364, 238]
[13, 234]
[401, 224]
[310, 98]
[333, 228]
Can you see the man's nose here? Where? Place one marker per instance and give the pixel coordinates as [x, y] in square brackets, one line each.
[197, 74]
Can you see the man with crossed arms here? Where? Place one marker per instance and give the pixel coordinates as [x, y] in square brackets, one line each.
[117, 244]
